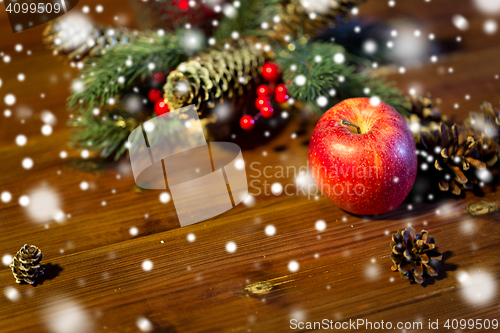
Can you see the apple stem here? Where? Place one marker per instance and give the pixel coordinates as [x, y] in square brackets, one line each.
[345, 122]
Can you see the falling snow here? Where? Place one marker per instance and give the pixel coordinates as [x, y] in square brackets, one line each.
[133, 231]
[477, 287]
[231, 247]
[164, 197]
[270, 230]
[21, 140]
[293, 266]
[144, 324]
[276, 188]
[320, 225]
[147, 265]
[24, 200]
[12, 294]
[9, 99]
[6, 197]
[460, 22]
[300, 80]
[66, 315]
[6, 259]
[27, 163]
[46, 130]
[490, 27]
[249, 201]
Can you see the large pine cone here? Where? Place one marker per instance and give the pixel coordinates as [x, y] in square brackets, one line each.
[412, 253]
[216, 74]
[26, 264]
[456, 150]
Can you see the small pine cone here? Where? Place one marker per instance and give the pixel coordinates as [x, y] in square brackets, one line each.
[81, 39]
[491, 112]
[216, 74]
[456, 150]
[412, 254]
[26, 264]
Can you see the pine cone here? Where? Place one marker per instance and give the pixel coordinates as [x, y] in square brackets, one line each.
[412, 253]
[487, 125]
[77, 38]
[425, 114]
[426, 108]
[218, 73]
[456, 150]
[308, 17]
[26, 264]
[492, 113]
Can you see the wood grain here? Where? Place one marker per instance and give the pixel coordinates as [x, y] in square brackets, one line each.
[96, 277]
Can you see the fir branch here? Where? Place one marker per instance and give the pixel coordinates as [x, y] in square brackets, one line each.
[108, 135]
[115, 71]
[372, 31]
[111, 75]
[100, 135]
[325, 77]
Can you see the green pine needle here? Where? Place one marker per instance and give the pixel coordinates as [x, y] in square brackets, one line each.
[310, 72]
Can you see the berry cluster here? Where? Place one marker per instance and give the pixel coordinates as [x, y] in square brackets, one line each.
[155, 95]
[270, 72]
[265, 92]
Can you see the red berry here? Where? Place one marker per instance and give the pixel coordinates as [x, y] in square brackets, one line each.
[183, 5]
[154, 95]
[267, 112]
[282, 98]
[159, 77]
[247, 122]
[260, 102]
[270, 71]
[281, 89]
[264, 90]
[161, 107]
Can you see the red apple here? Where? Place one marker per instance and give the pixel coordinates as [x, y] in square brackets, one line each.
[363, 157]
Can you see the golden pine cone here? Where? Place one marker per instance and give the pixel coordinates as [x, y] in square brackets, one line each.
[26, 264]
[412, 254]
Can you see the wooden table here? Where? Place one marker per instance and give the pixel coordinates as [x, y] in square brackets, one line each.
[96, 279]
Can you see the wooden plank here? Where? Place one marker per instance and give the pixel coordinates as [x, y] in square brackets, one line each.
[96, 274]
